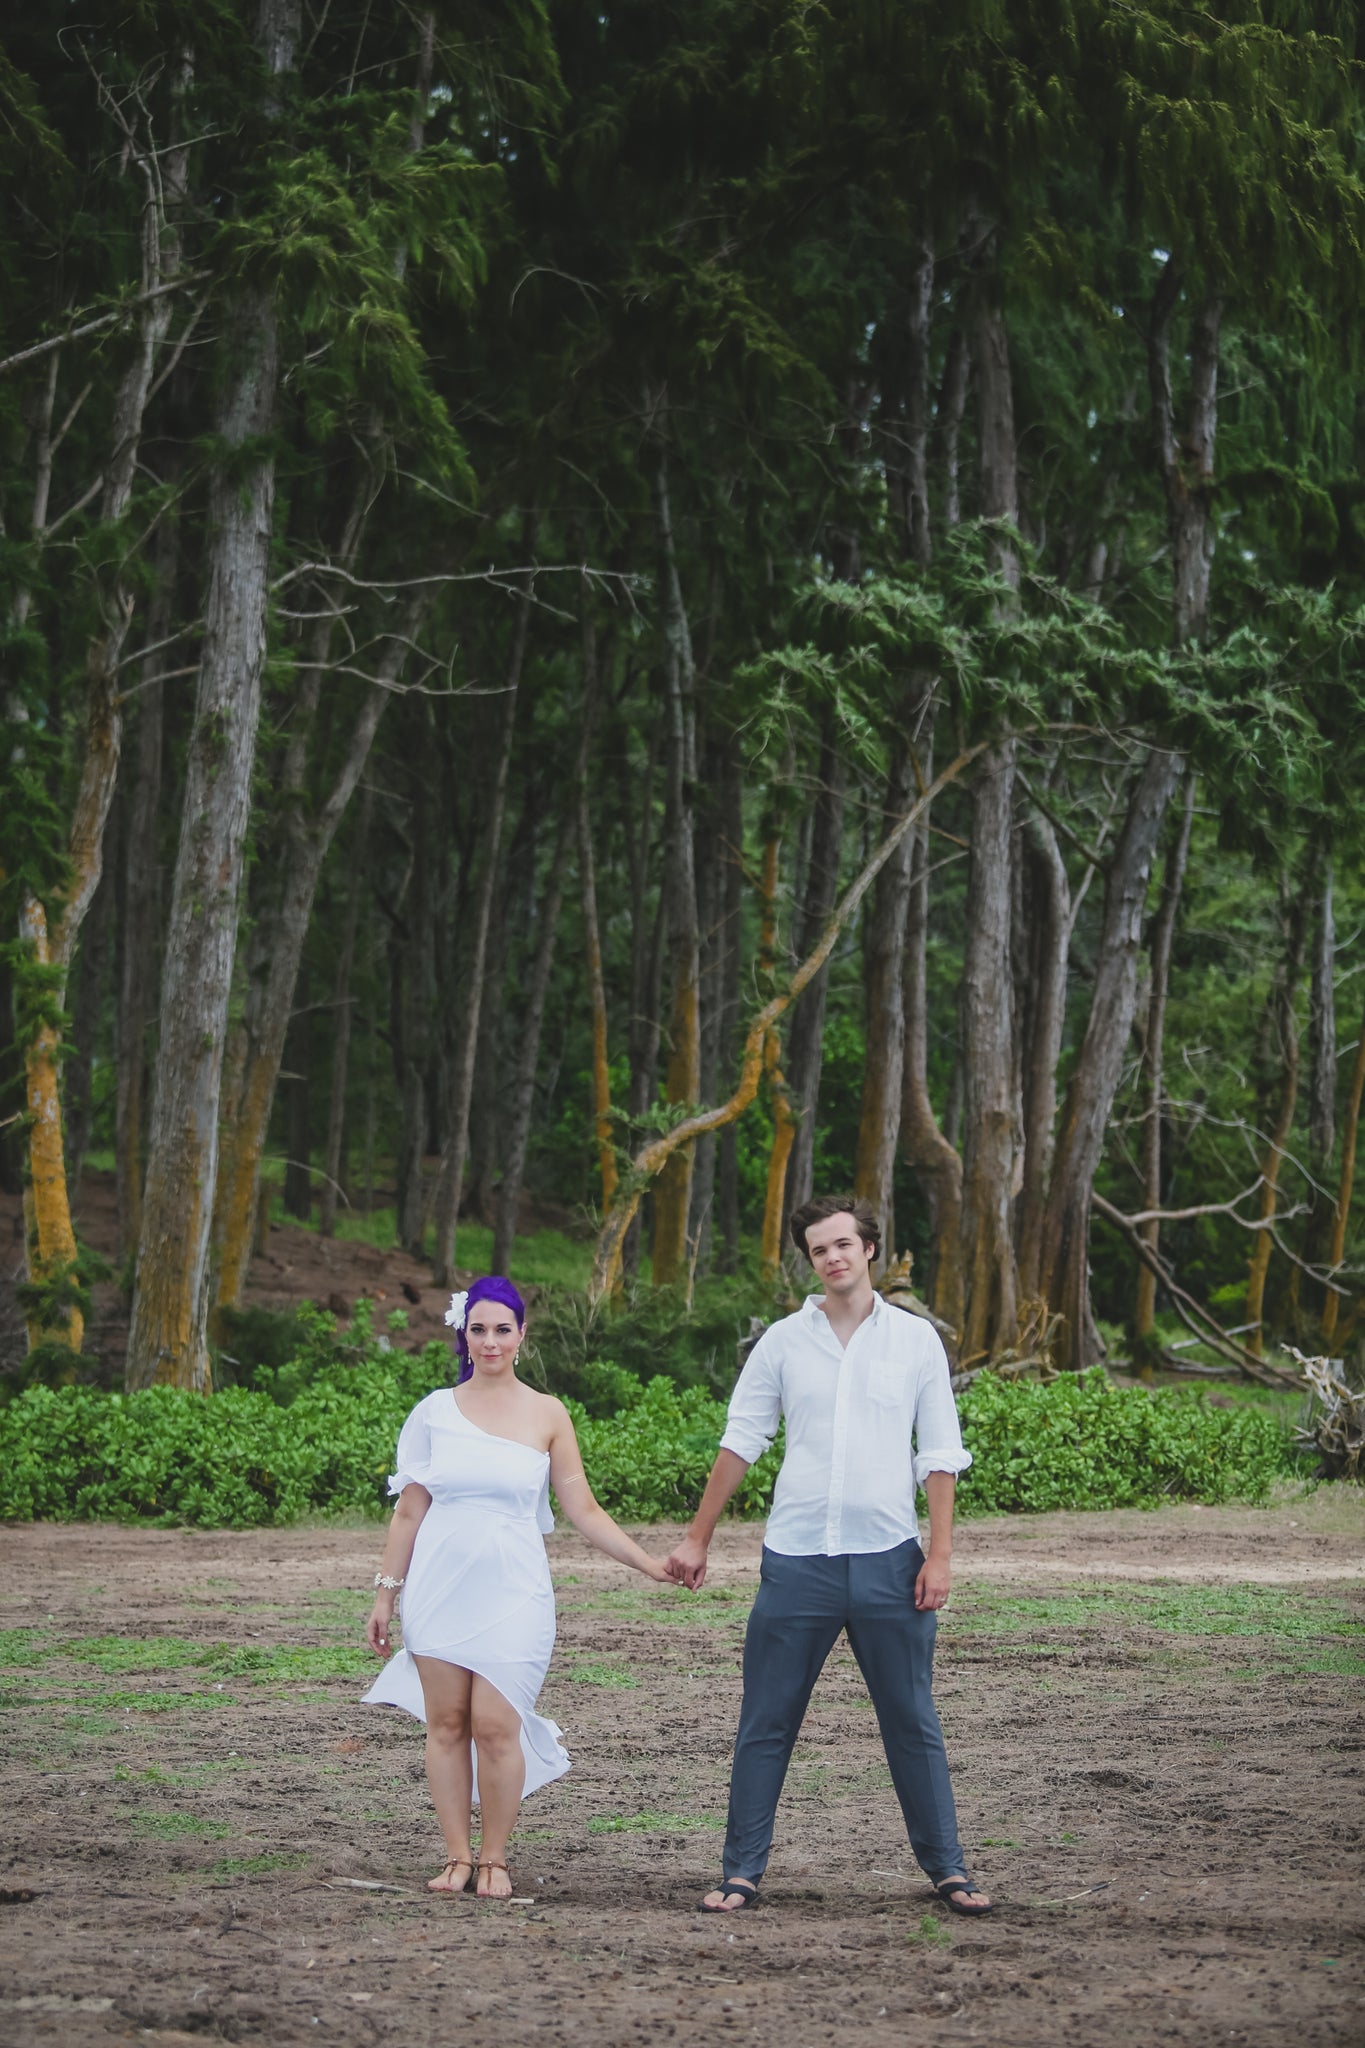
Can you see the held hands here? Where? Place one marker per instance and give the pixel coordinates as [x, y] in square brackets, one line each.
[379, 1628]
[932, 1585]
[687, 1563]
[654, 1568]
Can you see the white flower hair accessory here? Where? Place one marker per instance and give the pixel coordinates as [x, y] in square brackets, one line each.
[455, 1314]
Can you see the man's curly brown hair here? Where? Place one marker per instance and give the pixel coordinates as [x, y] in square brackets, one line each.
[825, 1206]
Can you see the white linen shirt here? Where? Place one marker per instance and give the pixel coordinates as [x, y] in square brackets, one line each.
[848, 1477]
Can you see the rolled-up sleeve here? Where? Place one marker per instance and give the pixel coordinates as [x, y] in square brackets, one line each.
[756, 1404]
[413, 1457]
[938, 1435]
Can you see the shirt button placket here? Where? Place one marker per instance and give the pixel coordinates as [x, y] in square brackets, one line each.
[834, 1511]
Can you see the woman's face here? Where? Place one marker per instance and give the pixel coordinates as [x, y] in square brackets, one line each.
[493, 1336]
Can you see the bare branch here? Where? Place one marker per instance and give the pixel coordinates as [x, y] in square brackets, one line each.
[44, 348]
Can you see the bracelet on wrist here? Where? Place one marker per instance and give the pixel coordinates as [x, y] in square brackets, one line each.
[389, 1585]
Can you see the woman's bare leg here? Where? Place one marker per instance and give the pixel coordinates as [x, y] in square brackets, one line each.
[450, 1769]
[496, 1728]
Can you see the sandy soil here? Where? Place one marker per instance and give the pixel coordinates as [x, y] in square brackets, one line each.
[1169, 1820]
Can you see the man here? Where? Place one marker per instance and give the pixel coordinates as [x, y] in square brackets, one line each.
[854, 1378]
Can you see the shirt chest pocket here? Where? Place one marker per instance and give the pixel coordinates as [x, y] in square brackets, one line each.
[888, 1382]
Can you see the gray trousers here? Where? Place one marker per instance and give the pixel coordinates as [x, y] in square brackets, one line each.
[802, 1604]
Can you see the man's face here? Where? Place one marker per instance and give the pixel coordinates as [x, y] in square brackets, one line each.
[838, 1254]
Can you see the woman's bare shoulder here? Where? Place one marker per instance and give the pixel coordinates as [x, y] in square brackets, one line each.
[550, 1409]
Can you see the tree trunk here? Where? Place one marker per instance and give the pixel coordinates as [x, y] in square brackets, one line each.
[1065, 1271]
[92, 975]
[783, 1123]
[515, 1124]
[711, 855]
[1153, 1074]
[1336, 1251]
[413, 942]
[884, 1008]
[298, 1162]
[341, 1031]
[948, 412]
[1322, 1030]
[673, 1191]
[140, 965]
[278, 948]
[731, 933]
[989, 1154]
[474, 955]
[934, 1159]
[1185, 456]
[805, 1052]
[1322, 1072]
[592, 934]
[597, 998]
[1048, 938]
[990, 1288]
[167, 1340]
[52, 1313]
[1279, 1062]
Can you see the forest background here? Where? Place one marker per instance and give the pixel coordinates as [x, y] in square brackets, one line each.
[616, 614]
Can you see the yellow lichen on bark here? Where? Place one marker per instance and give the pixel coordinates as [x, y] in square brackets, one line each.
[238, 1184]
[50, 1239]
[784, 1136]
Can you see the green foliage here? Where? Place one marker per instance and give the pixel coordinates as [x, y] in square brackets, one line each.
[1082, 1442]
[320, 1441]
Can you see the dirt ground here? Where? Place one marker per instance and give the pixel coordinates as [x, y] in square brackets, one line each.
[1155, 1723]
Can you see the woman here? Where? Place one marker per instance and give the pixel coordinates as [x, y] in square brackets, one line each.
[475, 1465]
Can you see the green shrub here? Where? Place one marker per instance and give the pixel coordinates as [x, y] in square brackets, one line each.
[1082, 1442]
[317, 1435]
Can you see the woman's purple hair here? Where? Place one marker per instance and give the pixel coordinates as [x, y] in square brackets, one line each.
[493, 1287]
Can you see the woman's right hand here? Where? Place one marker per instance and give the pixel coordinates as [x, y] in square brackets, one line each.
[379, 1629]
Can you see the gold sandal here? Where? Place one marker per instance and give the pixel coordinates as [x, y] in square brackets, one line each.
[454, 1863]
[500, 1897]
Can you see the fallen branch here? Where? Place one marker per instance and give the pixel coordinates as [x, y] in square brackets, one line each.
[1192, 1314]
[1337, 1428]
[651, 1158]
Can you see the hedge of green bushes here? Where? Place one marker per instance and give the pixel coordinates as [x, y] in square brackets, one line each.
[317, 1437]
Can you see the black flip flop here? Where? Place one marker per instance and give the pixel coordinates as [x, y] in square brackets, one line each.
[954, 1887]
[730, 1890]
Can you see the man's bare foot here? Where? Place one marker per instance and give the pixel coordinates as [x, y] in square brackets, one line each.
[449, 1879]
[497, 1885]
[733, 1896]
[961, 1895]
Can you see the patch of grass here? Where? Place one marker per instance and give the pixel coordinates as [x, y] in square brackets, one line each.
[1000, 1842]
[652, 1823]
[155, 1775]
[91, 1724]
[283, 1662]
[705, 1608]
[930, 1931]
[1336, 1663]
[155, 1702]
[115, 1655]
[259, 1866]
[171, 1827]
[20, 1648]
[1172, 1610]
[614, 1676]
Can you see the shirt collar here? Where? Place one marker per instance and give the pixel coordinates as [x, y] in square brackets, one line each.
[813, 1306]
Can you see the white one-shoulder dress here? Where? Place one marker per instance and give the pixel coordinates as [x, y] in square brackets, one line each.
[478, 1591]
